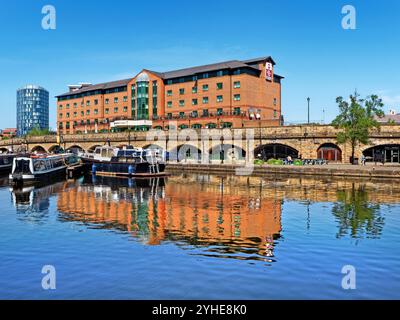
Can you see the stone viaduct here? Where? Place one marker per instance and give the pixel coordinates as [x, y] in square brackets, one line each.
[305, 141]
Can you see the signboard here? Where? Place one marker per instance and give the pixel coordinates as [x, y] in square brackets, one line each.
[269, 71]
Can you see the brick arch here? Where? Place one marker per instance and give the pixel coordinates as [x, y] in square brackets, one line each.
[227, 152]
[153, 145]
[276, 150]
[185, 151]
[330, 151]
[55, 147]
[38, 149]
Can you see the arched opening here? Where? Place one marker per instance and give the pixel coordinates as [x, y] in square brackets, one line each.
[153, 147]
[330, 152]
[158, 150]
[75, 149]
[387, 153]
[185, 152]
[227, 152]
[56, 149]
[38, 150]
[4, 150]
[275, 151]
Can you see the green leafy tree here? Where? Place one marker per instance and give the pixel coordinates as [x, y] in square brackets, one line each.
[38, 132]
[356, 118]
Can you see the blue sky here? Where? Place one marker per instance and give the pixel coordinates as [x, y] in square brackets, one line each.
[97, 41]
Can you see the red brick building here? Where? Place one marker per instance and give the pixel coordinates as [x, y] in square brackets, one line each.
[226, 94]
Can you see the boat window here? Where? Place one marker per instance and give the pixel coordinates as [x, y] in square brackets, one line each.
[104, 153]
[98, 150]
[39, 165]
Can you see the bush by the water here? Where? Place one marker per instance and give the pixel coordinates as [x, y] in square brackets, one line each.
[297, 162]
[258, 162]
[275, 162]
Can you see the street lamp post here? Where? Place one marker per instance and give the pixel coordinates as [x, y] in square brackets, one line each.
[308, 102]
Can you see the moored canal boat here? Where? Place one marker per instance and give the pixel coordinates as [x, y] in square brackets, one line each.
[6, 162]
[32, 168]
[128, 162]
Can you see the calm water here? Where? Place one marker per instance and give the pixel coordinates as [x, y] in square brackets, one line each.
[201, 237]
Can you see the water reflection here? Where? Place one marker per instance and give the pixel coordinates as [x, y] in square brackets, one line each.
[219, 216]
[33, 202]
[356, 215]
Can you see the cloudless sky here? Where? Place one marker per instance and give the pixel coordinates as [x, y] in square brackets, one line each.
[98, 41]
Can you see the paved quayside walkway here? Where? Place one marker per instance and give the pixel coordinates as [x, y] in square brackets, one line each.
[334, 170]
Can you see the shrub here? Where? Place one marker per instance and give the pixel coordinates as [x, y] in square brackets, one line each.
[297, 162]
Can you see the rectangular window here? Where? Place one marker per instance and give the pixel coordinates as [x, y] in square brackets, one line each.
[75, 105]
[96, 102]
[107, 111]
[125, 98]
[181, 91]
[205, 100]
[205, 75]
[220, 73]
[219, 111]
[220, 86]
[96, 111]
[125, 109]
[60, 107]
[60, 115]
[87, 112]
[194, 102]
[275, 101]
[205, 113]
[169, 104]
[236, 85]
[87, 103]
[67, 105]
[115, 100]
[82, 113]
[195, 114]
[169, 115]
[107, 101]
[236, 111]
[181, 103]
[205, 87]
[275, 113]
[169, 93]
[194, 90]
[181, 115]
[220, 98]
[75, 114]
[236, 97]
[115, 109]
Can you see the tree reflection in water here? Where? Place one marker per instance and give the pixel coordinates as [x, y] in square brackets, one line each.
[356, 215]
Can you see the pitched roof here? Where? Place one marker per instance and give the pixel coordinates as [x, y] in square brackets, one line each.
[389, 118]
[100, 86]
[232, 64]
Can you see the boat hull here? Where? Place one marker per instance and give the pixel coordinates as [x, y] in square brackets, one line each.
[22, 178]
[109, 168]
